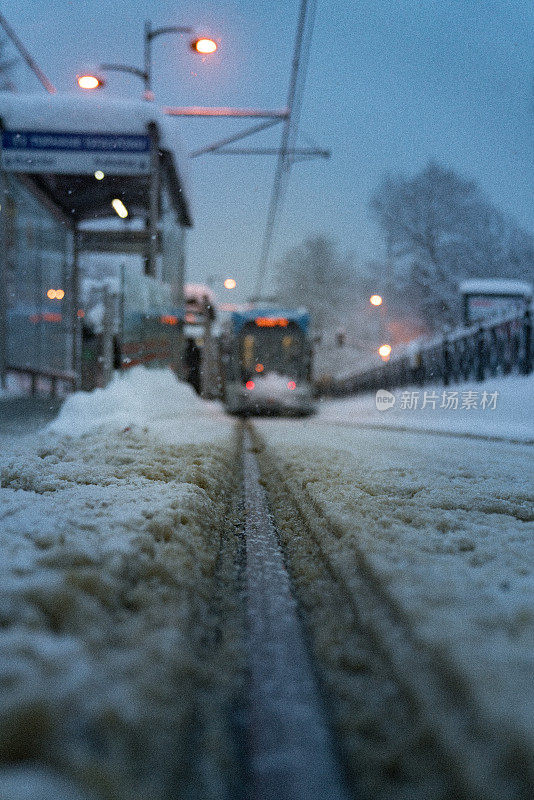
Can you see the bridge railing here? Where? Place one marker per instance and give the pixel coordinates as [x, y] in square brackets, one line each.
[488, 349]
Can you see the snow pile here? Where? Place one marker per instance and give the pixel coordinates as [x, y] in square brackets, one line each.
[110, 663]
[446, 529]
[510, 416]
[140, 396]
[30, 783]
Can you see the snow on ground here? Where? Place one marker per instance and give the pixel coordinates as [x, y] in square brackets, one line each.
[509, 415]
[110, 527]
[446, 527]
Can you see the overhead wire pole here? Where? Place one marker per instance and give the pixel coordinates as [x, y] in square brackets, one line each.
[48, 85]
[294, 99]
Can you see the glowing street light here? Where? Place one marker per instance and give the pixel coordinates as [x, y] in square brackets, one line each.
[384, 351]
[99, 175]
[375, 300]
[200, 44]
[230, 283]
[119, 208]
[204, 45]
[90, 82]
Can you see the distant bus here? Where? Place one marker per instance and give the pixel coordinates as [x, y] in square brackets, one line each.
[267, 362]
[488, 299]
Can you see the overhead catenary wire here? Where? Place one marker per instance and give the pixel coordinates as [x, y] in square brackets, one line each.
[297, 82]
[48, 85]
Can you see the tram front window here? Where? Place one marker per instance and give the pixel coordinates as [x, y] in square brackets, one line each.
[272, 350]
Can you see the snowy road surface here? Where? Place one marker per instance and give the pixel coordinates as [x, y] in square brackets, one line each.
[498, 408]
[444, 526]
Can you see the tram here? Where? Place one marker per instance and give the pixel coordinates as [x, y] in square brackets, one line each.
[267, 363]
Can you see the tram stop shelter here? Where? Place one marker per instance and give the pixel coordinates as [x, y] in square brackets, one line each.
[70, 168]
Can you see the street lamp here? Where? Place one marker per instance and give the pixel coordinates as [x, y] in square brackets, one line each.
[384, 351]
[90, 82]
[203, 45]
[377, 301]
[230, 283]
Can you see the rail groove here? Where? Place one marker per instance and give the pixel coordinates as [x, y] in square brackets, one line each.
[476, 760]
[290, 751]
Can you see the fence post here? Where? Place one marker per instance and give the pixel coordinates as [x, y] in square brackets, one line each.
[480, 354]
[446, 361]
[526, 366]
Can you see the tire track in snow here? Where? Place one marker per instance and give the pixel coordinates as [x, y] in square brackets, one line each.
[484, 437]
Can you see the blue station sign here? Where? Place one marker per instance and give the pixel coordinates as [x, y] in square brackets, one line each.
[75, 153]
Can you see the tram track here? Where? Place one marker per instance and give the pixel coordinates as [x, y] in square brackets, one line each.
[432, 743]
[290, 752]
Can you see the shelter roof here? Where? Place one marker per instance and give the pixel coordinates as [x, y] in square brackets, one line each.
[78, 194]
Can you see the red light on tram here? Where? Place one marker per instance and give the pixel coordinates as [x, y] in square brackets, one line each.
[291, 385]
[250, 385]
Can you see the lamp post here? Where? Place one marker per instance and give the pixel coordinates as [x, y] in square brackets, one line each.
[201, 45]
[377, 301]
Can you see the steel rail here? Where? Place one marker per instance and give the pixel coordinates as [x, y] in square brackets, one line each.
[291, 754]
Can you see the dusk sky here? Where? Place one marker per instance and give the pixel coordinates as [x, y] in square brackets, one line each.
[390, 85]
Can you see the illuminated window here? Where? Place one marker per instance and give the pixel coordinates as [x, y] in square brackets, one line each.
[248, 350]
[272, 322]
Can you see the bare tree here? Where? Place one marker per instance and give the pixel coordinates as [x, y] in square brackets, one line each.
[439, 229]
[314, 274]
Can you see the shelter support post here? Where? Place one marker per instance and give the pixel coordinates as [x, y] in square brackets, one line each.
[3, 275]
[107, 336]
[154, 201]
[76, 327]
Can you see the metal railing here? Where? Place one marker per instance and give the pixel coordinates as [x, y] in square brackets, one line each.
[488, 349]
[36, 377]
